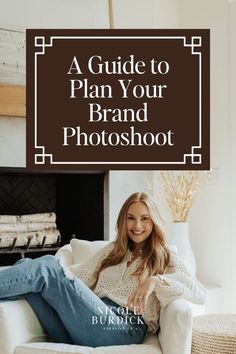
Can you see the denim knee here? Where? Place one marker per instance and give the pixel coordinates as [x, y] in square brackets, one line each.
[49, 259]
[48, 264]
[22, 260]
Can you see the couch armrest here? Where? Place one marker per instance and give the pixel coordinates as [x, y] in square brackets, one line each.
[18, 325]
[65, 255]
[176, 327]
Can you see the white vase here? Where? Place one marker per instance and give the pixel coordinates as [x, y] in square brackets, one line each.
[180, 238]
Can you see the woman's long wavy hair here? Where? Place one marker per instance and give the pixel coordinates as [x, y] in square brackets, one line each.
[155, 255]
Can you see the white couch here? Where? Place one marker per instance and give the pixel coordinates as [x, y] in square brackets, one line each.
[21, 332]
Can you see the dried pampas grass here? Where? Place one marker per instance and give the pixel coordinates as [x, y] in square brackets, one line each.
[181, 188]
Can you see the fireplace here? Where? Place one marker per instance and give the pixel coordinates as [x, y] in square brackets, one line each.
[76, 198]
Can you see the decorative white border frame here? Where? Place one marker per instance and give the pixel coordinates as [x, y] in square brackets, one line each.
[196, 158]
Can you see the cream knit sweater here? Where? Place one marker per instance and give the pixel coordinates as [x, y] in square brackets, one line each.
[117, 284]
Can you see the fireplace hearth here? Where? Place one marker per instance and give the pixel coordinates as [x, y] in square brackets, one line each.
[76, 198]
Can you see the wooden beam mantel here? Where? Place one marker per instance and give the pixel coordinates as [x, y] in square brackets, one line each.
[12, 100]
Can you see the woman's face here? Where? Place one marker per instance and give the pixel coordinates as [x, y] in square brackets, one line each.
[138, 223]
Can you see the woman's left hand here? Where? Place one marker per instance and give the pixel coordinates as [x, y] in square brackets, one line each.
[139, 297]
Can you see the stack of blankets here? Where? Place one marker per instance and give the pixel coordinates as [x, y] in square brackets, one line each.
[24, 227]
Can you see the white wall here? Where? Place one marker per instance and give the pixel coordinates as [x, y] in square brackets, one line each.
[55, 13]
[145, 13]
[232, 136]
[12, 142]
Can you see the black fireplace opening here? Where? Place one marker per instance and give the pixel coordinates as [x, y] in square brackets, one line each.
[76, 198]
[80, 206]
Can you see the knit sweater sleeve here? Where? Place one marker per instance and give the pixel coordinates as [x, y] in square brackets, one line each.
[88, 271]
[179, 283]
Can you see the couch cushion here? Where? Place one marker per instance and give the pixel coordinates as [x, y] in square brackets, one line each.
[82, 250]
[150, 346]
[18, 324]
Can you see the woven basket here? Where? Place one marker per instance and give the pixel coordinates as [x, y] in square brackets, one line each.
[214, 334]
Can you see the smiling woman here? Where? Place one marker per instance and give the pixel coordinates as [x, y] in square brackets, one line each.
[111, 288]
[139, 228]
[139, 225]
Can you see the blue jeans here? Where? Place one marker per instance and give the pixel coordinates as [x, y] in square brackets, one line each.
[68, 310]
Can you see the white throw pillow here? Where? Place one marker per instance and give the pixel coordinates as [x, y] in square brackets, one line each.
[65, 255]
[82, 250]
